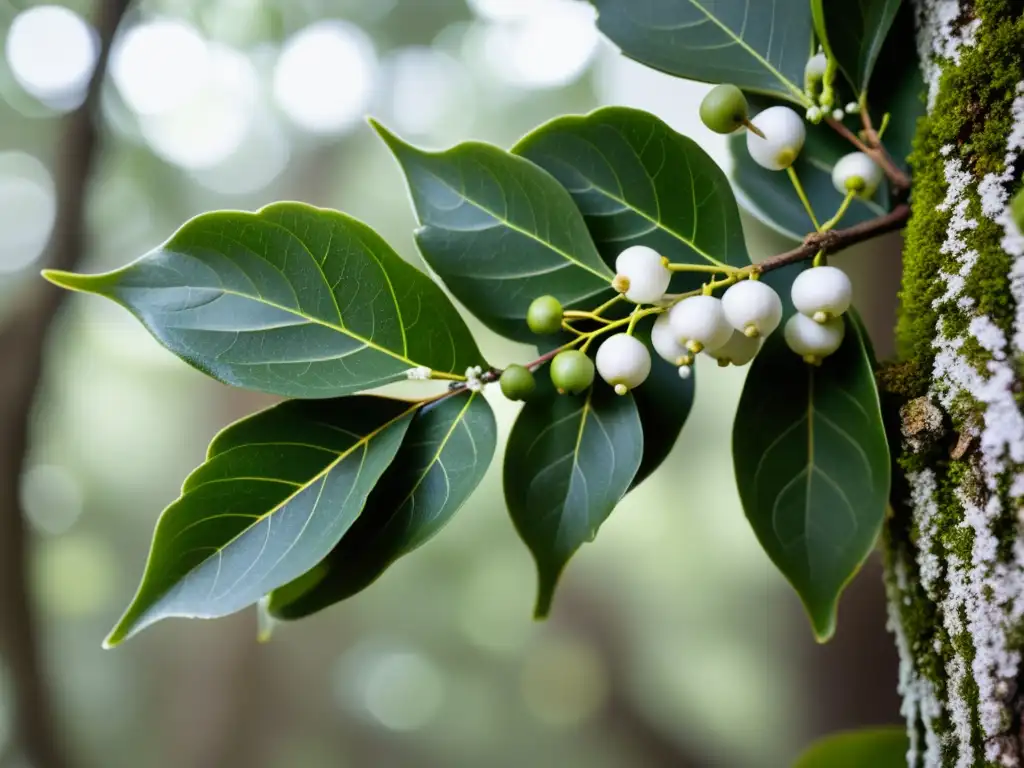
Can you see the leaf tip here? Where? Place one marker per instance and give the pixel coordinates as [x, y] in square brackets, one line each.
[68, 280]
[393, 142]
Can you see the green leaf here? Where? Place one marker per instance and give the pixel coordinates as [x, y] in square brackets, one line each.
[499, 231]
[883, 747]
[812, 467]
[898, 88]
[852, 32]
[769, 195]
[568, 462]
[758, 45]
[276, 493]
[613, 162]
[663, 403]
[292, 300]
[443, 458]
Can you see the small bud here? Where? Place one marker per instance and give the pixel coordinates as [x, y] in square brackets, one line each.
[784, 136]
[838, 115]
[821, 317]
[517, 383]
[814, 71]
[852, 108]
[572, 372]
[822, 289]
[544, 315]
[685, 372]
[623, 361]
[813, 115]
[724, 108]
[642, 275]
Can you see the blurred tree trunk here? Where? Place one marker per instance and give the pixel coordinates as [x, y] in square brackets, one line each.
[22, 343]
[955, 547]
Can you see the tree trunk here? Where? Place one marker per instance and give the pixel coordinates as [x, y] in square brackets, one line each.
[955, 540]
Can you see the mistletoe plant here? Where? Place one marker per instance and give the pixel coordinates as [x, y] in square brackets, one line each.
[597, 238]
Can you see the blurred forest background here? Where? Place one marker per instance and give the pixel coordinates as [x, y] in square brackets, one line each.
[673, 641]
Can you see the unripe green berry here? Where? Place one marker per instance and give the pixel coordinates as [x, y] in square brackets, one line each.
[1017, 209]
[517, 383]
[572, 372]
[724, 109]
[545, 315]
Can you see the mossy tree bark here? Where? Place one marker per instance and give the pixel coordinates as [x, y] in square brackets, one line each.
[955, 539]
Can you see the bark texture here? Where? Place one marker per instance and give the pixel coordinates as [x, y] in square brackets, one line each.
[955, 540]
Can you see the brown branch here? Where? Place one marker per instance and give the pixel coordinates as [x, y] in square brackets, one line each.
[837, 240]
[22, 341]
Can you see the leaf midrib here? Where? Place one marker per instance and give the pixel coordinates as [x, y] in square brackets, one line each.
[754, 54]
[516, 228]
[362, 442]
[367, 343]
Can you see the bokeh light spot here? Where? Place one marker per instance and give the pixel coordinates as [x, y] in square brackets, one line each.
[51, 498]
[403, 691]
[428, 88]
[547, 49]
[211, 126]
[325, 76]
[28, 209]
[52, 51]
[159, 65]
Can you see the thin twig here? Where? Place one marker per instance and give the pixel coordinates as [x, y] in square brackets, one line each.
[835, 240]
[22, 341]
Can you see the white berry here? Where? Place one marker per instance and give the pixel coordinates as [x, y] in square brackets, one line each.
[624, 362]
[739, 350]
[753, 308]
[822, 293]
[838, 115]
[784, 133]
[856, 172]
[813, 341]
[700, 323]
[815, 69]
[666, 343]
[642, 275]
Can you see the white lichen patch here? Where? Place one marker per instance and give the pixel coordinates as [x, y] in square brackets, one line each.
[994, 191]
[985, 597]
[941, 35]
[920, 704]
[981, 601]
[925, 511]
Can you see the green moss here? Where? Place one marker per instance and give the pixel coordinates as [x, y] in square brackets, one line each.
[973, 114]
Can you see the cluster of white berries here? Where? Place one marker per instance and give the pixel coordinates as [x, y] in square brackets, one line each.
[730, 329]
[821, 295]
[776, 136]
[473, 382]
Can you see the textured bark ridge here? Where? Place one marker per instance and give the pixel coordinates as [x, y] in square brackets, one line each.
[955, 539]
